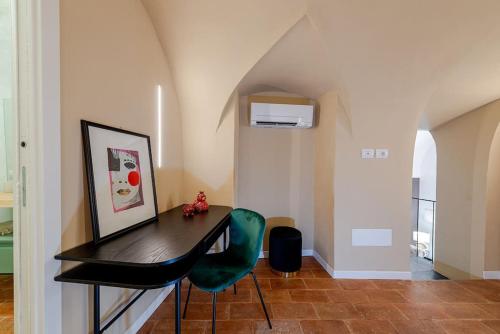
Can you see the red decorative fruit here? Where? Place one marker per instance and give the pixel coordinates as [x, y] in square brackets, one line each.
[200, 204]
[188, 210]
[201, 197]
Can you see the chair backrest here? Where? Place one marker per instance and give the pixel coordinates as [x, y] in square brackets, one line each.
[246, 232]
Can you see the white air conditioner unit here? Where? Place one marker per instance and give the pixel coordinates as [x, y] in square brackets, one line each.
[273, 115]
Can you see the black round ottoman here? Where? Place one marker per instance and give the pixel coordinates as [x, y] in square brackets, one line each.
[285, 250]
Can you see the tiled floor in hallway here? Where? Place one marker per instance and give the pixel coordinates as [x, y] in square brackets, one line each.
[316, 303]
[6, 304]
[423, 270]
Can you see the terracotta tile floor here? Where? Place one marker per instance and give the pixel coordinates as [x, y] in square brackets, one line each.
[315, 303]
[6, 304]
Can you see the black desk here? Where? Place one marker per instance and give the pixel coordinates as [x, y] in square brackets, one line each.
[150, 257]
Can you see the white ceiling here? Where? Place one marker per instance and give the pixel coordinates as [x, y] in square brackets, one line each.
[438, 58]
[298, 64]
[474, 80]
[431, 59]
[413, 56]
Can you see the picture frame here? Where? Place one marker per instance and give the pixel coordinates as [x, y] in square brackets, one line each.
[120, 179]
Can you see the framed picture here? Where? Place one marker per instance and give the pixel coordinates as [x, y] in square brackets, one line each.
[120, 179]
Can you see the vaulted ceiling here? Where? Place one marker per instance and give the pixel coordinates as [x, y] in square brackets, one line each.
[436, 59]
[297, 63]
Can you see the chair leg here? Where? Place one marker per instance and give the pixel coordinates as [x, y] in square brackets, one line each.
[234, 288]
[214, 309]
[261, 300]
[187, 301]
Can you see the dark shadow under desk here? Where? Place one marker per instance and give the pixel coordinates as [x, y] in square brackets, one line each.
[150, 257]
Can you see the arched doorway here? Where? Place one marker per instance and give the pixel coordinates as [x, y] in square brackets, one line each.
[423, 206]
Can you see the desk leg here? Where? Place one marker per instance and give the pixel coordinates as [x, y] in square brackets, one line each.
[97, 310]
[178, 307]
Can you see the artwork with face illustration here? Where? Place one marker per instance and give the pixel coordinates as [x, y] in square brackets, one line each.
[120, 178]
[124, 179]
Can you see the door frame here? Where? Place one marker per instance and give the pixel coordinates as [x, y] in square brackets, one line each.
[37, 212]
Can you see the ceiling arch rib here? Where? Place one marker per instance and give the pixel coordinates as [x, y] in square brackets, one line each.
[297, 64]
[210, 46]
[437, 59]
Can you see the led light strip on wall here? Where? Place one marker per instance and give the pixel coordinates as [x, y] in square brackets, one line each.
[159, 111]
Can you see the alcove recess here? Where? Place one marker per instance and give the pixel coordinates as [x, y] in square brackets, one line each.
[280, 173]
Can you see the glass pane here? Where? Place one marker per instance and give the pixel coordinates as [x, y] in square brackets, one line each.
[6, 116]
[9, 140]
[425, 233]
[6, 113]
[422, 229]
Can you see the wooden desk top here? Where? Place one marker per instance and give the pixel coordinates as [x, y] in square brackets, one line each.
[6, 200]
[171, 239]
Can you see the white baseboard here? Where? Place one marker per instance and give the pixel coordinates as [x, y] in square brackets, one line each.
[340, 274]
[491, 274]
[397, 275]
[137, 325]
[323, 263]
[305, 252]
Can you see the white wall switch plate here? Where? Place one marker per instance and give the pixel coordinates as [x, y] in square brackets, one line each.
[367, 153]
[382, 153]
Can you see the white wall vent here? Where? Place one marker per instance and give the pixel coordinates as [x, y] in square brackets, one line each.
[372, 237]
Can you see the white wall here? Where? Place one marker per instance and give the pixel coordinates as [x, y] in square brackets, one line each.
[275, 173]
[455, 184]
[462, 235]
[324, 169]
[210, 46]
[372, 194]
[492, 247]
[111, 64]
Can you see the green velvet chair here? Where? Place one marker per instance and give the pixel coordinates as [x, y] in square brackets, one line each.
[216, 272]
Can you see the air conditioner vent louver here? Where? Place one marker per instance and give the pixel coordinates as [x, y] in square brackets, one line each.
[276, 123]
[274, 115]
